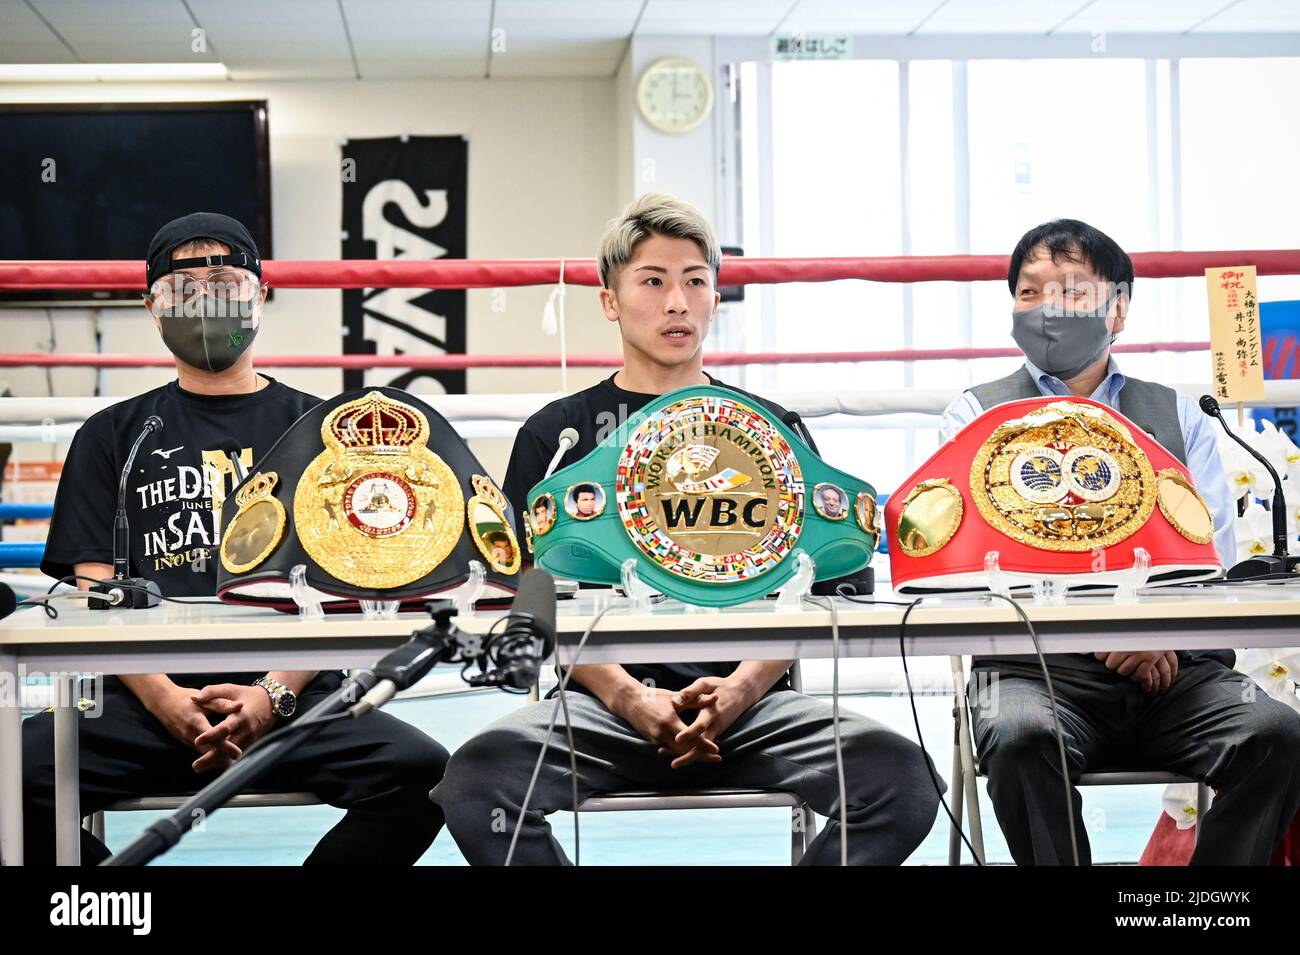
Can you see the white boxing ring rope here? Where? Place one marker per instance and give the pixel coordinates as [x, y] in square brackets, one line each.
[54, 419]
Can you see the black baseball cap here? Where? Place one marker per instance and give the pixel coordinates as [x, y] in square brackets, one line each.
[201, 225]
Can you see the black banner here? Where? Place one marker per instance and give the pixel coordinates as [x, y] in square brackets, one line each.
[405, 200]
[1140, 903]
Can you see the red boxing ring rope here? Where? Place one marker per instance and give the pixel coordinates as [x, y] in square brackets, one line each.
[457, 362]
[504, 273]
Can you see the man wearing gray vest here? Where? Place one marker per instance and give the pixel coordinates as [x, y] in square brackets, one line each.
[1185, 712]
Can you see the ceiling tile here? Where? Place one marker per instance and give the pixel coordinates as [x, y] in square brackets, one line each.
[1150, 16]
[1262, 16]
[689, 17]
[1000, 16]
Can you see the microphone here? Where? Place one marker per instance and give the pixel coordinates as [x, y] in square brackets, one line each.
[134, 592]
[1279, 562]
[795, 423]
[528, 638]
[9, 602]
[511, 659]
[232, 449]
[568, 439]
[412, 660]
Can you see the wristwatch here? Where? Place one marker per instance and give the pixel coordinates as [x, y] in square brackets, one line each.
[283, 700]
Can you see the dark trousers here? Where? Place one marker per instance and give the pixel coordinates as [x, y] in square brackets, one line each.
[378, 768]
[1214, 724]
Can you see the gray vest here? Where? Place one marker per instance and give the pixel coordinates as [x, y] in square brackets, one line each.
[1152, 407]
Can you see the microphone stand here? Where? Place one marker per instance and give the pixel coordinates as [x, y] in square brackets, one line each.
[260, 758]
[137, 593]
[1278, 563]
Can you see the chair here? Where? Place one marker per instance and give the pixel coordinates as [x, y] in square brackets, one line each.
[250, 800]
[801, 835]
[965, 771]
[37, 697]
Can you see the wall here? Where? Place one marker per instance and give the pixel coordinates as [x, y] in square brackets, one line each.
[542, 183]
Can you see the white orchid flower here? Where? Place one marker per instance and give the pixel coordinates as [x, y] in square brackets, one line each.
[1290, 451]
[1244, 474]
[1254, 531]
[1284, 448]
[1274, 445]
[1180, 803]
[1275, 669]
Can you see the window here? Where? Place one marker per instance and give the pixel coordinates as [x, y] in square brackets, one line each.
[1082, 138]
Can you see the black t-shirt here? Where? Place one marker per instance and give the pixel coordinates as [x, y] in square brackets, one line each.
[595, 414]
[175, 490]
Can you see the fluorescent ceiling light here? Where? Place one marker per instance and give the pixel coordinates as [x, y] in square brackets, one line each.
[109, 72]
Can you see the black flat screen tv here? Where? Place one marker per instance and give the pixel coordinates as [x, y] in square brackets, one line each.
[96, 180]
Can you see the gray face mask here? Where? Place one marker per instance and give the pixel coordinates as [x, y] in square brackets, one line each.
[209, 333]
[1062, 345]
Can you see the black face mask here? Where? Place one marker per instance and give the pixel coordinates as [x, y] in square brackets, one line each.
[209, 333]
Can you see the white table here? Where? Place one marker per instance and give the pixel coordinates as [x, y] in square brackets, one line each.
[179, 638]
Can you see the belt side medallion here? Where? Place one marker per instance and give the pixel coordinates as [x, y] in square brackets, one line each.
[257, 527]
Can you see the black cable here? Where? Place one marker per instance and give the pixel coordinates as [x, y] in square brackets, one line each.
[492, 653]
[573, 774]
[835, 721]
[1051, 699]
[846, 591]
[1292, 578]
[564, 674]
[71, 577]
[124, 586]
[916, 719]
[1056, 720]
[47, 604]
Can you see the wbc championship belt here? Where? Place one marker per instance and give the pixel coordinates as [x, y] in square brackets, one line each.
[1056, 487]
[711, 495]
[379, 499]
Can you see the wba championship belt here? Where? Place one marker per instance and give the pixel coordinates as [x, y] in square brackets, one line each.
[1056, 487]
[711, 495]
[378, 496]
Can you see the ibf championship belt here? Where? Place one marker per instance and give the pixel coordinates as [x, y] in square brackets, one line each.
[711, 495]
[379, 498]
[1055, 486]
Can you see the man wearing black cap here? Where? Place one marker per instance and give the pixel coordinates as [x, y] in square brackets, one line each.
[166, 734]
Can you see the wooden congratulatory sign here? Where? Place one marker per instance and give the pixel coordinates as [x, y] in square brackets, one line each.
[1236, 342]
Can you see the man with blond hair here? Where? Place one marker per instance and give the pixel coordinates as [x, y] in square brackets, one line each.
[673, 726]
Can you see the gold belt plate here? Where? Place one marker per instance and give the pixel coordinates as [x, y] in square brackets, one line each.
[1065, 477]
[377, 508]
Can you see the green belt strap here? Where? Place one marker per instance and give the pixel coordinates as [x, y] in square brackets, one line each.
[713, 496]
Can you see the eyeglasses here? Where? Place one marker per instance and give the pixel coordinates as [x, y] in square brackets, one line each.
[227, 285]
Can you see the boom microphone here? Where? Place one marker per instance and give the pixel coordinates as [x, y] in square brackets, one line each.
[528, 638]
